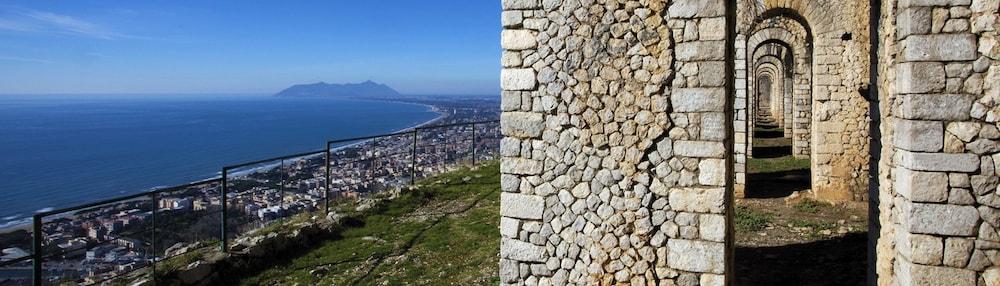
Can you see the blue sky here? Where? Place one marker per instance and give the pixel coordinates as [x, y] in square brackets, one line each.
[415, 46]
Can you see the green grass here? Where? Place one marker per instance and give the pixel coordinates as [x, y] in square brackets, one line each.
[444, 232]
[808, 206]
[747, 220]
[772, 165]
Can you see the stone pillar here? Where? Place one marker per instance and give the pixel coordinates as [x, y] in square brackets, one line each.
[777, 96]
[740, 118]
[801, 111]
[752, 113]
[614, 166]
[946, 209]
[786, 106]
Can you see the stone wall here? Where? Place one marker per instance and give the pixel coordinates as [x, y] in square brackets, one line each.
[939, 206]
[614, 165]
[616, 126]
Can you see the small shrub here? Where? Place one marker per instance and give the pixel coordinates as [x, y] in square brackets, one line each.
[808, 206]
[749, 220]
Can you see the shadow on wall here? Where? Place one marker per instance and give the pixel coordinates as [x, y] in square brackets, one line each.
[839, 261]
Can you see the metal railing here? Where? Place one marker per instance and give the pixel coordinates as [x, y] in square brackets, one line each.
[122, 237]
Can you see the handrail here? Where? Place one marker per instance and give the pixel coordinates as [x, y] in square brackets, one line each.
[279, 158]
[126, 198]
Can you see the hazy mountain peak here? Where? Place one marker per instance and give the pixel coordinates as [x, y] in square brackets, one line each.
[367, 88]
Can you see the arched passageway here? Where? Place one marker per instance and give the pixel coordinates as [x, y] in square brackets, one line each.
[628, 131]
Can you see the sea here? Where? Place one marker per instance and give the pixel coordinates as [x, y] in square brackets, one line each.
[63, 150]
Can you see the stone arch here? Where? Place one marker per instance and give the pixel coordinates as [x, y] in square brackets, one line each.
[838, 151]
[782, 55]
[837, 39]
[766, 85]
[749, 49]
[802, 77]
[778, 94]
[781, 102]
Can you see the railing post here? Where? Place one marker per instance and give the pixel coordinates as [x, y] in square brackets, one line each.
[225, 217]
[152, 222]
[36, 246]
[473, 144]
[326, 190]
[281, 197]
[413, 158]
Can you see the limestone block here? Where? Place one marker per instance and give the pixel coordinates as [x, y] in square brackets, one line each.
[983, 146]
[696, 256]
[921, 186]
[509, 271]
[915, 274]
[989, 45]
[699, 149]
[928, 3]
[952, 107]
[522, 124]
[939, 162]
[920, 77]
[510, 100]
[698, 100]
[698, 200]
[957, 251]
[919, 248]
[712, 172]
[520, 166]
[701, 50]
[940, 47]
[520, 4]
[915, 135]
[713, 126]
[941, 219]
[966, 131]
[696, 9]
[515, 40]
[912, 21]
[712, 227]
[521, 251]
[713, 280]
[992, 276]
[712, 73]
[521, 206]
[509, 227]
[517, 79]
[511, 19]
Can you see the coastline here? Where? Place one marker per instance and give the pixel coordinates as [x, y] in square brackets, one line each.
[23, 221]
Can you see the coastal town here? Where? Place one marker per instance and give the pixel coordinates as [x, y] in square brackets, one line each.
[102, 242]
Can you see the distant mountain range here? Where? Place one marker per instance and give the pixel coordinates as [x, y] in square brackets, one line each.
[322, 89]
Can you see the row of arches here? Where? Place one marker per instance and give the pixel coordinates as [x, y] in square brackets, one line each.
[808, 84]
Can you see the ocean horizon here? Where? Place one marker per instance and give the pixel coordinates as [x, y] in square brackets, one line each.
[65, 150]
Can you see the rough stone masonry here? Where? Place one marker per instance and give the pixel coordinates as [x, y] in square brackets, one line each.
[614, 166]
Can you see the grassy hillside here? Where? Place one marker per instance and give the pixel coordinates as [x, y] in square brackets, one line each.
[442, 233]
